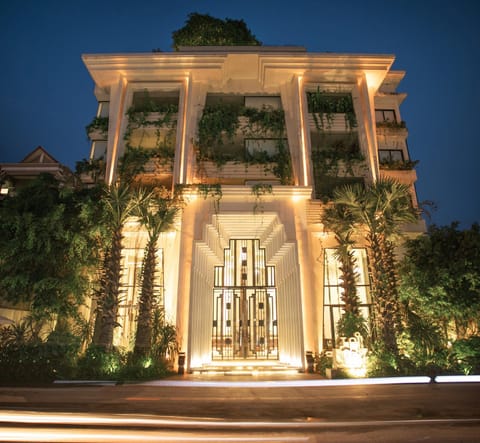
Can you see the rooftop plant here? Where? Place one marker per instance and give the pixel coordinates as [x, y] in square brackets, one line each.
[205, 30]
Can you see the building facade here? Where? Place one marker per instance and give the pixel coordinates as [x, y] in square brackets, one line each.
[257, 137]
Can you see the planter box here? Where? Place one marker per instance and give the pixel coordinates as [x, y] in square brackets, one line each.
[159, 167]
[407, 177]
[338, 123]
[97, 134]
[236, 173]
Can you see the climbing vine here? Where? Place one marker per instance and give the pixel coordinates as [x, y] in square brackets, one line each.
[213, 191]
[98, 124]
[221, 123]
[147, 117]
[259, 190]
[324, 105]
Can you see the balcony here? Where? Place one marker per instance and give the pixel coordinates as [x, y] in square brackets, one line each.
[238, 144]
[98, 129]
[338, 122]
[157, 171]
[392, 128]
[407, 177]
[236, 173]
[151, 130]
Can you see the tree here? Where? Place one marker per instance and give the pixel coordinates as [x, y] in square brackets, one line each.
[441, 279]
[119, 202]
[379, 210]
[204, 30]
[339, 221]
[157, 215]
[49, 244]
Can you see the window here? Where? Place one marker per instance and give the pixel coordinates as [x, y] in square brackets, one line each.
[385, 115]
[333, 306]
[260, 102]
[262, 146]
[103, 109]
[154, 101]
[98, 150]
[390, 155]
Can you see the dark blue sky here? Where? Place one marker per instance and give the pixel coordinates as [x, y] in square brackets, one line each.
[47, 95]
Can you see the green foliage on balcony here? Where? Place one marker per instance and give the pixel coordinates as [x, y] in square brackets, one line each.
[324, 105]
[147, 115]
[97, 124]
[399, 165]
[392, 124]
[331, 156]
[334, 164]
[221, 125]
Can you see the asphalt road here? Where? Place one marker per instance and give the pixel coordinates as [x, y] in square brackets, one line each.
[186, 410]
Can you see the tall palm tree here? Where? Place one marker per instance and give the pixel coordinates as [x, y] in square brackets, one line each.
[157, 215]
[380, 209]
[339, 221]
[120, 202]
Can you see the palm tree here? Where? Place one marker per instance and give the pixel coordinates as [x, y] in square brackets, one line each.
[380, 209]
[120, 202]
[339, 221]
[157, 215]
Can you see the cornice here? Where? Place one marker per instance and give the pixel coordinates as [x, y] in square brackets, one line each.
[274, 67]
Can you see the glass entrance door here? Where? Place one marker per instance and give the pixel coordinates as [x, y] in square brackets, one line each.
[244, 305]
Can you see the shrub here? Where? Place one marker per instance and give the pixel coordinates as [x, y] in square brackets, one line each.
[465, 355]
[36, 362]
[97, 363]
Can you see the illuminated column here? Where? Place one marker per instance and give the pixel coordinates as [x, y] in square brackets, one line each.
[298, 137]
[194, 95]
[366, 117]
[117, 111]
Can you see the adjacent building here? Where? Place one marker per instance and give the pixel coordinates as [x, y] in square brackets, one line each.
[257, 137]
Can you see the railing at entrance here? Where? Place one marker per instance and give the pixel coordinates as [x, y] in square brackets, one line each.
[245, 324]
[244, 304]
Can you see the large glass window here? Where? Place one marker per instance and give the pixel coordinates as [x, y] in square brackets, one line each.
[132, 259]
[333, 306]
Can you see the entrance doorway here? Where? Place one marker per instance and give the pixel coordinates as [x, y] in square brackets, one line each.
[244, 305]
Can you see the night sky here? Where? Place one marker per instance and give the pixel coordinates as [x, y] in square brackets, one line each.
[47, 94]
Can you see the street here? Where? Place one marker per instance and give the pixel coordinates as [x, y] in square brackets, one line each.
[190, 409]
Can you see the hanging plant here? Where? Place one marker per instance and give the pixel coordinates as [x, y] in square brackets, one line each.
[399, 165]
[213, 191]
[337, 154]
[219, 125]
[324, 105]
[98, 124]
[140, 119]
[259, 190]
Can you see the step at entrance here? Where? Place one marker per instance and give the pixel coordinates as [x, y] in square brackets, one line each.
[246, 368]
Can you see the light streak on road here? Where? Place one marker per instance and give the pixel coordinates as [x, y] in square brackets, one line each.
[108, 435]
[75, 419]
[291, 383]
[457, 379]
